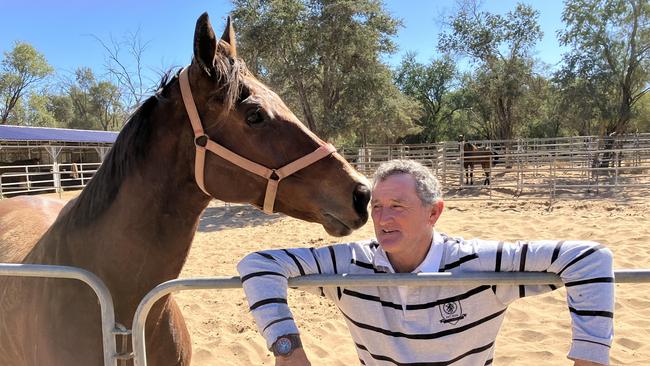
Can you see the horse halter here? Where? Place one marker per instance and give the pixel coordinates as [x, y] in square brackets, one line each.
[203, 142]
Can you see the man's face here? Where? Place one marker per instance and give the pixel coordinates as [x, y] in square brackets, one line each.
[403, 224]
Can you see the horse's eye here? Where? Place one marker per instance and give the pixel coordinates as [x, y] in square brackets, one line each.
[255, 117]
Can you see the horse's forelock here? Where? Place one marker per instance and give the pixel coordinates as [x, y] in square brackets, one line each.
[230, 73]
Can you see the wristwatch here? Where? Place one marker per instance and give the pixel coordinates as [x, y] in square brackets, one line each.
[284, 345]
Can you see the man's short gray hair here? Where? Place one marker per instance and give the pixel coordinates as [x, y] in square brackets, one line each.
[427, 186]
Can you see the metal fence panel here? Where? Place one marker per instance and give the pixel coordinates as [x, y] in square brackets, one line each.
[400, 279]
[104, 296]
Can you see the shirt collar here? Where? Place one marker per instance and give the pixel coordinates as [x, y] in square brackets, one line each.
[431, 262]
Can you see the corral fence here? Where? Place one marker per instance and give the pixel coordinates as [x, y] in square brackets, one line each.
[110, 329]
[44, 178]
[548, 169]
[43, 166]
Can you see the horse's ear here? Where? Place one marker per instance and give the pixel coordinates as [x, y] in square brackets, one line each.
[205, 44]
[229, 37]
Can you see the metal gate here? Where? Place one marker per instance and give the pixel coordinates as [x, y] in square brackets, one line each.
[110, 328]
[105, 300]
[400, 279]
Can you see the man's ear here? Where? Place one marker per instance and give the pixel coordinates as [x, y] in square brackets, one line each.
[436, 210]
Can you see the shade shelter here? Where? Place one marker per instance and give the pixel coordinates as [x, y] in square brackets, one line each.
[34, 158]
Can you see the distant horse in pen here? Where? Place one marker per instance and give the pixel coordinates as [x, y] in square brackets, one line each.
[475, 155]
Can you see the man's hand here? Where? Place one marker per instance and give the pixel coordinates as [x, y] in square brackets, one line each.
[297, 358]
[586, 363]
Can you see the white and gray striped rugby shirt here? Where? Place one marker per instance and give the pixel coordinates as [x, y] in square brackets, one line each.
[450, 325]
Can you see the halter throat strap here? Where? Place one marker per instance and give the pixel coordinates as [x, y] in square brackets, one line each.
[203, 142]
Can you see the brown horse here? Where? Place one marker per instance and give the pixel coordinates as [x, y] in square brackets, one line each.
[134, 223]
[474, 155]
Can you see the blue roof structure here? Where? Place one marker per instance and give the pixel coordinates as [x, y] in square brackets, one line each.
[21, 133]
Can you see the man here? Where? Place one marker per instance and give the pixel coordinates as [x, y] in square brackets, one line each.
[439, 325]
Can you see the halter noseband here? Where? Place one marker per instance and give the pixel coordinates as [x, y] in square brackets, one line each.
[203, 143]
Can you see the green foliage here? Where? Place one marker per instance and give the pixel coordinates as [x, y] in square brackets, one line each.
[429, 85]
[95, 105]
[323, 57]
[21, 69]
[607, 69]
[39, 113]
[642, 122]
[500, 46]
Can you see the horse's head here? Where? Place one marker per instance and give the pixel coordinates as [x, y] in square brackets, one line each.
[495, 157]
[250, 138]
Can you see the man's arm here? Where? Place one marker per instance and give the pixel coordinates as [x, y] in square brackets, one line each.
[264, 276]
[586, 270]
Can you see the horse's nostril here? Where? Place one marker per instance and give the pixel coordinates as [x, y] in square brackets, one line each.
[360, 198]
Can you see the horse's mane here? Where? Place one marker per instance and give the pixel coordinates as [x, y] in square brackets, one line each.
[127, 151]
[133, 140]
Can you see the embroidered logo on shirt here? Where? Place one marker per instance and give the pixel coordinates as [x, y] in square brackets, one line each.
[451, 312]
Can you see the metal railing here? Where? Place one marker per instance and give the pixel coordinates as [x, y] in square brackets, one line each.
[105, 300]
[403, 279]
[110, 329]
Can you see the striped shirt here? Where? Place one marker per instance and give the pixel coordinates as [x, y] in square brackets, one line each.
[437, 325]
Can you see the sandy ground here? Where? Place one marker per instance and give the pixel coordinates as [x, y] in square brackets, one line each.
[536, 330]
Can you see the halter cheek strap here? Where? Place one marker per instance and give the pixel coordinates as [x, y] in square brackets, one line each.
[203, 143]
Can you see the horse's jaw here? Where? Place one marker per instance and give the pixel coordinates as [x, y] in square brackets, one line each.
[335, 227]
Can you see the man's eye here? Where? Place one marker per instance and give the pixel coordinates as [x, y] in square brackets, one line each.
[255, 117]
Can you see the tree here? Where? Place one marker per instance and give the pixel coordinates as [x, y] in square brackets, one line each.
[105, 102]
[323, 56]
[430, 86]
[39, 112]
[609, 60]
[501, 47]
[79, 93]
[21, 69]
[123, 62]
[95, 105]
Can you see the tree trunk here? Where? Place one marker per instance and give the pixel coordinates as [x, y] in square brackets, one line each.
[306, 108]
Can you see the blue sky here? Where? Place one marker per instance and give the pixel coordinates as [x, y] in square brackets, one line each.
[62, 30]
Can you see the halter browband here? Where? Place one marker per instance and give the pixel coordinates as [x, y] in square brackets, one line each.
[203, 143]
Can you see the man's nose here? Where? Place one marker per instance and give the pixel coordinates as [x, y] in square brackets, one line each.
[383, 216]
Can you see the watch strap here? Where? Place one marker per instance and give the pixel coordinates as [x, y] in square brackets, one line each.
[284, 345]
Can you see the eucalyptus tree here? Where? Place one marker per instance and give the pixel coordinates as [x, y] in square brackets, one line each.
[500, 47]
[95, 104]
[324, 57]
[430, 85]
[608, 64]
[21, 70]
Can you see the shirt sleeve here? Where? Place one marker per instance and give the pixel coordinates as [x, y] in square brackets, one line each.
[585, 269]
[264, 277]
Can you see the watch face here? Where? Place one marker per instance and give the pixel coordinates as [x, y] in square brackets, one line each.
[283, 346]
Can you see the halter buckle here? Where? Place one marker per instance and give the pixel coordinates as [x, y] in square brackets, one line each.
[201, 141]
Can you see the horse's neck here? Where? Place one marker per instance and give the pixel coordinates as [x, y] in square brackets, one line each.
[142, 239]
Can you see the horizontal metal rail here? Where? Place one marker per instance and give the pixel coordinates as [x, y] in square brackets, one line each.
[400, 279]
[105, 300]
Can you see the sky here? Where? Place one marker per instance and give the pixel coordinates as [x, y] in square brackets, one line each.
[64, 31]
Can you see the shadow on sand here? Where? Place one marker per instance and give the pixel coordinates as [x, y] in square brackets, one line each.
[233, 216]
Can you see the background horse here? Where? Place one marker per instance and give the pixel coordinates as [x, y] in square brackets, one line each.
[134, 223]
[474, 155]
